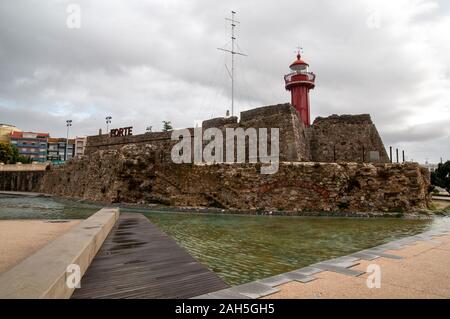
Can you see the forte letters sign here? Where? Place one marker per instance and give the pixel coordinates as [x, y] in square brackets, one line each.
[124, 131]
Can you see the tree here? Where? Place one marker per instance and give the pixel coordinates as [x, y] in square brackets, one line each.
[167, 126]
[15, 154]
[8, 153]
[441, 176]
[24, 160]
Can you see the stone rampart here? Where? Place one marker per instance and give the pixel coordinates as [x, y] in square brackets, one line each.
[346, 138]
[132, 175]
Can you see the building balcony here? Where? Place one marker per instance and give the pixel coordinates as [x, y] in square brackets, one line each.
[33, 153]
[30, 145]
[300, 77]
[29, 142]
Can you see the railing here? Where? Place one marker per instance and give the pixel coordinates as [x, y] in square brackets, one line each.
[309, 75]
[31, 146]
[32, 153]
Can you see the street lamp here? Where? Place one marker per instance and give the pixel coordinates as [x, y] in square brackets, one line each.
[69, 124]
[108, 121]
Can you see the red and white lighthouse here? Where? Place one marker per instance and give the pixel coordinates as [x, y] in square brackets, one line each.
[299, 82]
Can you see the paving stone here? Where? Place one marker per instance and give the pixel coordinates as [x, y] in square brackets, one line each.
[254, 290]
[345, 261]
[406, 241]
[418, 238]
[293, 275]
[390, 256]
[365, 256]
[385, 255]
[222, 294]
[390, 246]
[341, 270]
[275, 280]
[308, 271]
[344, 264]
[421, 238]
[227, 294]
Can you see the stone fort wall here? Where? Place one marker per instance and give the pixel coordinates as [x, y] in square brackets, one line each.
[346, 138]
[293, 143]
[131, 175]
[138, 169]
[349, 138]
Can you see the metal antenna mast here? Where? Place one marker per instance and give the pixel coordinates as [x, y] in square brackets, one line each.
[233, 53]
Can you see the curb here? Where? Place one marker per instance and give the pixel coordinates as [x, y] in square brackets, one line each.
[43, 275]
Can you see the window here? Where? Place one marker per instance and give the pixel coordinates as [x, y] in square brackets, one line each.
[301, 68]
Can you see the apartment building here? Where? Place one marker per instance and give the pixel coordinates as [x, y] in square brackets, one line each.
[57, 148]
[31, 145]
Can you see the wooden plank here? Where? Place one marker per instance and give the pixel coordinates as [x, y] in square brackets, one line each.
[137, 260]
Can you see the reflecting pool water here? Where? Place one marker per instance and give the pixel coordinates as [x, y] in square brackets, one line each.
[20, 207]
[244, 248]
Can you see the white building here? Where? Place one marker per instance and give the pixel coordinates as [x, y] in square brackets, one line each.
[431, 167]
[80, 145]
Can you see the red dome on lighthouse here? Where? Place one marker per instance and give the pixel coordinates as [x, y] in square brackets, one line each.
[298, 62]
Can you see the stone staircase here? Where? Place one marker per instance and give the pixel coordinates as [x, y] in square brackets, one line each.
[212, 196]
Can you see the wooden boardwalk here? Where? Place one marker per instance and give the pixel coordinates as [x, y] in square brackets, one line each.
[137, 260]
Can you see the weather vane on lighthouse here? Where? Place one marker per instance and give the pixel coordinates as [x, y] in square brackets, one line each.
[233, 53]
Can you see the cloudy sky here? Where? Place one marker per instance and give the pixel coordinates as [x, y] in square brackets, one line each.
[143, 62]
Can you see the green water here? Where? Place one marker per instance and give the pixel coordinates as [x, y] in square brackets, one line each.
[19, 207]
[245, 248]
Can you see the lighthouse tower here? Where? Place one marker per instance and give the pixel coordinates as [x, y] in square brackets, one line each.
[299, 82]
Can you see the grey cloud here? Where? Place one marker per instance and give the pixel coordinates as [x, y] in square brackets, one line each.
[147, 61]
[419, 133]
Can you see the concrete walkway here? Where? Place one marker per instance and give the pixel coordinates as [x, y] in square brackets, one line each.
[21, 238]
[51, 271]
[423, 272]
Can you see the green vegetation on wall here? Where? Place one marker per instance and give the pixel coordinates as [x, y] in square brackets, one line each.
[167, 126]
[441, 176]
